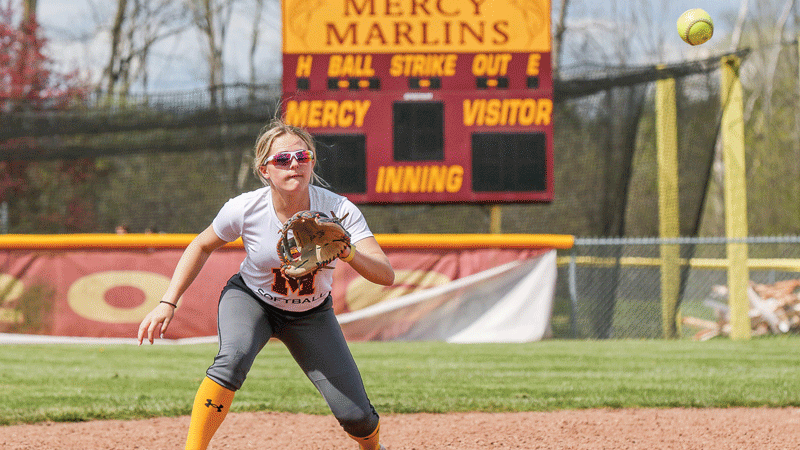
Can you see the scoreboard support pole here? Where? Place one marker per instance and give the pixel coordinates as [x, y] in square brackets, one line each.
[496, 219]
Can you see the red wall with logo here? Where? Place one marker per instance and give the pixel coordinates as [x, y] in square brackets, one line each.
[107, 292]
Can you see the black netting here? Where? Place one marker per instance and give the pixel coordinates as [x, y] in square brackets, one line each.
[171, 160]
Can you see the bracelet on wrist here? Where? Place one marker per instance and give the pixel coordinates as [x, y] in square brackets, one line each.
[170, 304]
[352, 254]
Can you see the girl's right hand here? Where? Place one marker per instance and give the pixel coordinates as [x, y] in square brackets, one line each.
[160, 316]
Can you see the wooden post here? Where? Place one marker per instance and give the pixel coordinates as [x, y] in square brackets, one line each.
[735, 197]
[668, 204]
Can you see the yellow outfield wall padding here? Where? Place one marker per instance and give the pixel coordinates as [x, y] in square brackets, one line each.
[145, 241]
[558, 241]
[94, 241]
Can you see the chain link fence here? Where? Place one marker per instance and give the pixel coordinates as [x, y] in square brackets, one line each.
[611, 287]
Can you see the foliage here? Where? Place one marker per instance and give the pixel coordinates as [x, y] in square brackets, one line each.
[772, 144]
[29, 84]
[28, 79]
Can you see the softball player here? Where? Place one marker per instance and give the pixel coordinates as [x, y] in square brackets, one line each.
[259, 302]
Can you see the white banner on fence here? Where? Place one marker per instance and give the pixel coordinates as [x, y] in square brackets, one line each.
[509, 303]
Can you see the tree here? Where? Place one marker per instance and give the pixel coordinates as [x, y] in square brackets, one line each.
[137, 26]
[212, 17]
[772, 129]
[28, 86]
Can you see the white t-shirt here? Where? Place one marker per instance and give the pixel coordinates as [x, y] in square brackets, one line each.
[252, 217]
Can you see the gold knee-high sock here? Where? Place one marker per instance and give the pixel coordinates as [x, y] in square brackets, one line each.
[211, 405]
[370, 442]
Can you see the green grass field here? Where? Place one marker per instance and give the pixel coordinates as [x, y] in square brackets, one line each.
[83, 382]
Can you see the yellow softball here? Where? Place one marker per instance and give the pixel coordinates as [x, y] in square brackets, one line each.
[695, 26]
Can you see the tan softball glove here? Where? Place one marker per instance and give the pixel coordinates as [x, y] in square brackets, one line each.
[309, 241]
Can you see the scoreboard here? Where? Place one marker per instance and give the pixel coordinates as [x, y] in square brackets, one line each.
[424, 101]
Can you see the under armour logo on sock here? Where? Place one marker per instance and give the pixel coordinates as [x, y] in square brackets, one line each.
[209, 404]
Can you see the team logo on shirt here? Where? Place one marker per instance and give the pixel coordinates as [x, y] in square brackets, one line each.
[299, 286]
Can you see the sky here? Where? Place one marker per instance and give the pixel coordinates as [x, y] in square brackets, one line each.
[77, 34]
[76, 38]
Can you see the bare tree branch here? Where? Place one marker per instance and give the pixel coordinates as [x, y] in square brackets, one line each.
[558, 39]
[775, 52]
[736, 36]
[30, 10]
[112, 70]
[259, 6]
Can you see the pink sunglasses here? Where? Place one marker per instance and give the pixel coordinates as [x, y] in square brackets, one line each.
[284, 159]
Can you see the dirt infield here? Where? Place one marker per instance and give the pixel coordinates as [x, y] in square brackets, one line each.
[622, 429]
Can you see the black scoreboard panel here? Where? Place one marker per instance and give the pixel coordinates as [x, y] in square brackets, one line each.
[509, 162]
[342, 161]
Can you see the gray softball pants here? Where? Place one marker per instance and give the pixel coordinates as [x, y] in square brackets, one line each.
[315, 340]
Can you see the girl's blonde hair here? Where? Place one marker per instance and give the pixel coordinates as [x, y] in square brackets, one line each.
[266, 137]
